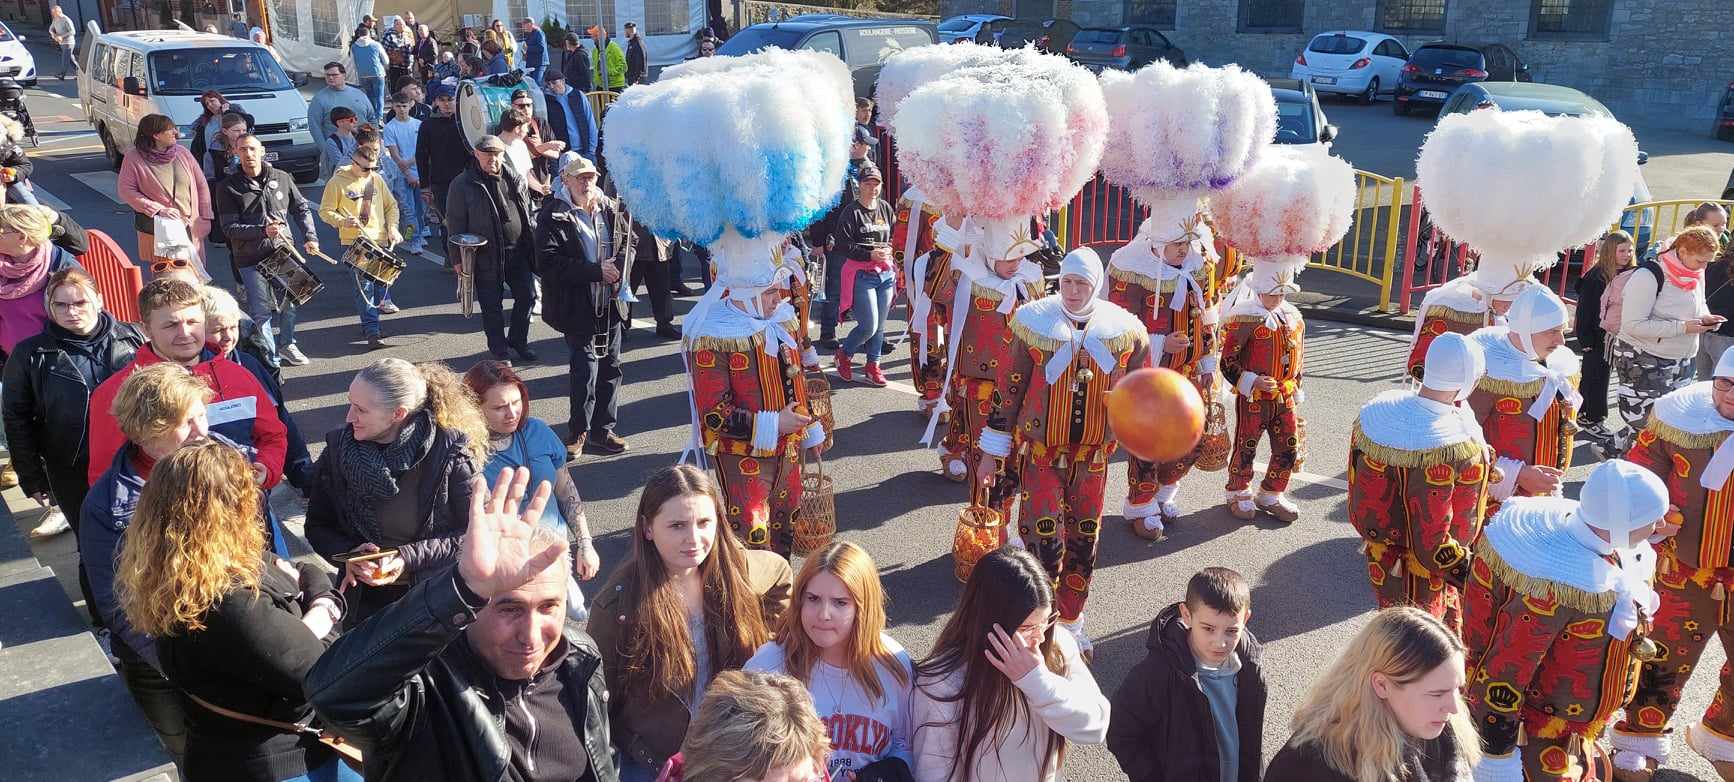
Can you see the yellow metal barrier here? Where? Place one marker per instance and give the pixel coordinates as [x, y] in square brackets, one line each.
[1369, 249]
[1656, 221]
[600, 100]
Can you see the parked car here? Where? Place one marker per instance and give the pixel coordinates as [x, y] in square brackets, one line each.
[1123, 48]
[862, 44]
[124, 76]
[1049, 35]
[965, 27]
[1351, 62]
[1724, 127]
[16, 61]
[1299, 117]
[1434, 70]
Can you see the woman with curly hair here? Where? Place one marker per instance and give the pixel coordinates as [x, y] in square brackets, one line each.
[236, 628]
[396, 479]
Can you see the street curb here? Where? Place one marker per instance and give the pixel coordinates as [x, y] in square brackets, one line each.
[1365, 317]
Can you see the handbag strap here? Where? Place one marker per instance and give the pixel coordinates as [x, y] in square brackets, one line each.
[349, 752]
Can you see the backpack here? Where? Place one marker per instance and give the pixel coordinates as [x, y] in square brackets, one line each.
[1615, 293]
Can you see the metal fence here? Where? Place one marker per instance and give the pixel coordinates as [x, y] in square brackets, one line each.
[751, 12]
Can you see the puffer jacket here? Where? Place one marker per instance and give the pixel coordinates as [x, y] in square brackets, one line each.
[48, 382]
[1162, 729]
[245, 205]
[406, 688]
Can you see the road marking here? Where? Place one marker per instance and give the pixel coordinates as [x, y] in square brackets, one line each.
[105, 182]
[49, 199]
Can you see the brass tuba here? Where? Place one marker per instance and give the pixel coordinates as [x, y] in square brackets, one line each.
[465, 267]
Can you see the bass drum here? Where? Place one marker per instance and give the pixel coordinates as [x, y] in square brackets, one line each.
[482, 101]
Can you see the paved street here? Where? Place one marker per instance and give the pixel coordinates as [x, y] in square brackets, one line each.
[1310, 592]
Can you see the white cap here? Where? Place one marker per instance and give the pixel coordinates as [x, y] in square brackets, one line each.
[1620, 497]
[1725, 364]
[1535, 310]
[1005, 239]
[1171, 220]
[1454, 363]
[1275, 275]
[1084, 262]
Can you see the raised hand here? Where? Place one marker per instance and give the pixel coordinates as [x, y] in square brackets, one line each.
[496, 555]
[1010, 653]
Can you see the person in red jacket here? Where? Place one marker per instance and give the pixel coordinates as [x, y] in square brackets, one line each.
[241, 411]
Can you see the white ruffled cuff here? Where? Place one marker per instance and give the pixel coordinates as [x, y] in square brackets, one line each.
[815, 435]
[1207, 365]
[1139, 510]
[1507, 485]
[765, 430]
[1714, 747]
[1500, 768]
[1244, 385]
[1209, 315]
[810, 358]
[994, 442]
[1631, 750]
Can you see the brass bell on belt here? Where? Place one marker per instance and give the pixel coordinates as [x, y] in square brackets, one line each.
[1644, 650]
[1083, 377]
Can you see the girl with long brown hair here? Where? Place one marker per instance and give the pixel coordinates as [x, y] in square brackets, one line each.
[1614, 254]
[236, 628]
[858, 676]
[690, 601]
[1002, 693]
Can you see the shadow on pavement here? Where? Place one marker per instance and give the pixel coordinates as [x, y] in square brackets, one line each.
[926, 592]
[1305, 590]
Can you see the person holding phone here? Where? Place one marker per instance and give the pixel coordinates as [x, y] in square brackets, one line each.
[690, 602]
[1002, 692]
[859, 676]
[1662, 313]
[395, 480]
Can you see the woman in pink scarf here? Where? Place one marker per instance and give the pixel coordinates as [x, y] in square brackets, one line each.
[27, 258]
[160, 178]
[1662, 314]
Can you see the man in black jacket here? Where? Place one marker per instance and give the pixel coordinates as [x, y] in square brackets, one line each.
[475, 673]
[440, 150]
[579, 239]
[489, 200]
[636, 69]
[575, 64]
[254, 206]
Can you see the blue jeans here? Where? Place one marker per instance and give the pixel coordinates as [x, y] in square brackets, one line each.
[871, 305]
[68, 63]
[409, 209]
[374, 86]
[368, 296]
[333, 771]
[535, 74]
[276, 325]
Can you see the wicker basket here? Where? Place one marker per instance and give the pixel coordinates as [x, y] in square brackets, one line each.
[979, 529]
[819, 406]
[1215, 445]
[816, 523]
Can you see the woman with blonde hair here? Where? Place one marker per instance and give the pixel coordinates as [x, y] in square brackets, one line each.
[394, 482]
[690, 601]
[752, 726]
[859, 677]
[27, 259]
[1662, 312]
[236, 628]
[1390, 709]
[1614, 254]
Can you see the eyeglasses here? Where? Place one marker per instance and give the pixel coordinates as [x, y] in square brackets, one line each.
[1722, 384]
[164, 264]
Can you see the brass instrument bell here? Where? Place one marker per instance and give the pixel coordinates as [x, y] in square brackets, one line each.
[467, 245]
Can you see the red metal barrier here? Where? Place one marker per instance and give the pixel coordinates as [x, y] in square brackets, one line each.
[117, 279]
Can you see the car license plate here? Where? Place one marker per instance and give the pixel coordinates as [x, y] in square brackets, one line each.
[1432, 94]
[270, 157]
[1324, 80]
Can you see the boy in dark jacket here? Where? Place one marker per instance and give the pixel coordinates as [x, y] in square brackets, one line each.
[1193, 710]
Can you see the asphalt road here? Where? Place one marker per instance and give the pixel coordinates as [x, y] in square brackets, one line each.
[1309, 591]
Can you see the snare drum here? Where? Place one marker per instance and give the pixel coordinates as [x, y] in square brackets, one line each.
[375, 263]
[287, 273]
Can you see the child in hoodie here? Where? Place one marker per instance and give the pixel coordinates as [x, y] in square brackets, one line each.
[1193, 709]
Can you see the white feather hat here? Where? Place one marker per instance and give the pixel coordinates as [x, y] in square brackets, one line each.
[1295, 201]
[1182, 132]
[1521, 186]
[911, 68]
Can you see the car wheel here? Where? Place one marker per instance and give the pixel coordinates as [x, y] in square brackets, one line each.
[30, 83]
[1372, 93]
[108, 148]
[1400, 107]
[306, 177]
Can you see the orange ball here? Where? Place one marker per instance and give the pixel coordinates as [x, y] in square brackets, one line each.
[1157, 414]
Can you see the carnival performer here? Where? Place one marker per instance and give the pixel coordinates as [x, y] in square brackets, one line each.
[748, 390]
[1418, 475]
[1527, 401]
[1047, 439]
[1291, 204]
[1486, 187]
[1557, 610]
[1169, 154]
[913, 241]
[1686, 444]
[971, 110]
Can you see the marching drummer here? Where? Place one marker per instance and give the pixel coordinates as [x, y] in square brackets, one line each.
[254, 206]
[359, 205]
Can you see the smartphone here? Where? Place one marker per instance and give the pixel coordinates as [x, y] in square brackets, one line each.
[362, 556]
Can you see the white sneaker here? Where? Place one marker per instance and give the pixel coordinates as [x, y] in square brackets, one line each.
[291, 354]
[387, 307]
[53, 524]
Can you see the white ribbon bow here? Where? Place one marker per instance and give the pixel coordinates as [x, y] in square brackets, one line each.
[1557, 385]
[1721, 465]
[1184, 284]
[1093, 346]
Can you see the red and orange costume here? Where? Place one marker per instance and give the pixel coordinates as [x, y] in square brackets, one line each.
[1686, 443]
[1527, 409]
[1259, 343]
[913, 240]
[1050, 428]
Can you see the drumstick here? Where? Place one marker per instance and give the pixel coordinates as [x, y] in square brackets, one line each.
[326, 258]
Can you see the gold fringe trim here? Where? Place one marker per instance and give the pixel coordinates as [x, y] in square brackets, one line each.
[1682, 438]
[1455, 316]
[737, 344]
[1405, 458]
[1119, 345]
[1133, 278]
[1244, 319]
[1542, 589]
[1494, 385]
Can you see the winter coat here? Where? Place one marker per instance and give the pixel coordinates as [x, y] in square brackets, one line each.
[440, 155]
[1163, 730]
[1423, 761]
[103, 518]
[408, 690]
[49, 379]
[636, 70]
[535, 50]
[141, 190]
[469, 209]
[569, 272]
[608, 67]
[245, 205]
[201, 146]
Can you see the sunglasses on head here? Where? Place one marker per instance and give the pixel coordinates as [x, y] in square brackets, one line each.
[164, 264]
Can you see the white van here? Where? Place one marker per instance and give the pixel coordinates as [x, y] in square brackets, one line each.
[125, 76]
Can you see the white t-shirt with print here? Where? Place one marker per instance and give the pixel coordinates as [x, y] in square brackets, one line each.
[862, 729]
